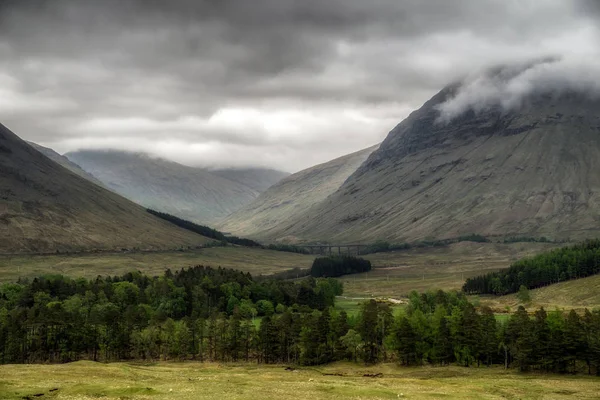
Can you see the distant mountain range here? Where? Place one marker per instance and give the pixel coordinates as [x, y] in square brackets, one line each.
[461, 164]
[293, 196]
[530, 170]
[45, 207]
[195, 194]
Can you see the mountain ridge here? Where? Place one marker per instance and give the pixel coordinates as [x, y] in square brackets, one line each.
[44, 207]
[444, 180]
[458, 165]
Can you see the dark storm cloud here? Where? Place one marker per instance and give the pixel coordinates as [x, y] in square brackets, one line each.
[233, 80]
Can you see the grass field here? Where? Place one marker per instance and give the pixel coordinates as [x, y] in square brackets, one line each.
[87, 380]
[255, 261]
[396, 274]
[576, 294]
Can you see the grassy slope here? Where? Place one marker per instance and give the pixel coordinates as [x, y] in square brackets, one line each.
[576, 294]
[65, 162]
[255, 261]
[87, 380]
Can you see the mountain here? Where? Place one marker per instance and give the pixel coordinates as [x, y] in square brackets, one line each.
[292, 196]
[528, 168]
[44, 207]
[258, 179]
[190, 193]
[65, 162]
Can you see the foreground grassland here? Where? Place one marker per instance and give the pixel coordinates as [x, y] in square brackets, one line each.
[255, 261]
[396, 274]
[87, 380]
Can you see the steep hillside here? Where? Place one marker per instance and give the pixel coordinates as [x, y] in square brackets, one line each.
[258, 179]
[44, 208]
[190, 193]
[293, 196]
[529, 169]
[65, 162]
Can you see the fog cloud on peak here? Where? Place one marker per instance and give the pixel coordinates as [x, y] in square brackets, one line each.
[508, 86]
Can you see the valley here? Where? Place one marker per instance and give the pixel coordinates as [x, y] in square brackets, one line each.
[480, 217]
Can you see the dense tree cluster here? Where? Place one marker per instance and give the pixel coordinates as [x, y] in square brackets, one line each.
[197, 314]
[526, 239]
[334, 266]
[442, 328]
[190, 226]
[217, 235]
[288, 248]
[54, 318]
[558, 265]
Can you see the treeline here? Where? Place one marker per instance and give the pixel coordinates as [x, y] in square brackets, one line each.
[384, 246]
[555, 266]
[287, 248]
[435, 329]
[334, 266]
[527, 239]
[217, 235]
[54, 318]
[442, 328]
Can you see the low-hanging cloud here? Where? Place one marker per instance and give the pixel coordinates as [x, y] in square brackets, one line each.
[507, 86]
[210, 82]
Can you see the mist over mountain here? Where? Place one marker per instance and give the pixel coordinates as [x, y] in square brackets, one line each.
[44, 207]
[521, 157]
[259, 179]
[191, 193]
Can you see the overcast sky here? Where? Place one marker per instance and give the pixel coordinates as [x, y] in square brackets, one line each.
[274, 83]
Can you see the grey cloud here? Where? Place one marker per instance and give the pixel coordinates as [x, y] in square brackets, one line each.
[79, 61]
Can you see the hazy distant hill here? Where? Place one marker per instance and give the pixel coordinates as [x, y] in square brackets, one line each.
[190, 193]
[44, 207]
[65, 162]
[259, 179]
[293, 196]
[531, 170]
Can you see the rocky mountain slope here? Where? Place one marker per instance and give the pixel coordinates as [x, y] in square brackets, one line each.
[492, 167]
[293, 196]
[46, 208]
[190, 193]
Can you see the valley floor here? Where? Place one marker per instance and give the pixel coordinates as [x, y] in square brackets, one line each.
[396, 274]
[88, 380]
[255, 261]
